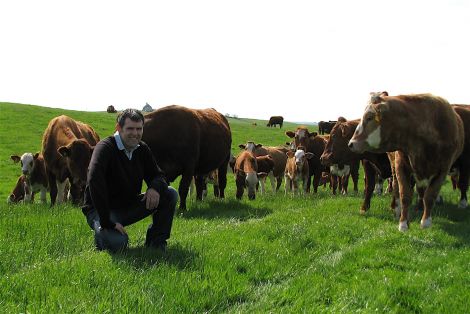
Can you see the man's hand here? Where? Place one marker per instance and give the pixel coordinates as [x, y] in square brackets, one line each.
[152, 198]
[120, 228]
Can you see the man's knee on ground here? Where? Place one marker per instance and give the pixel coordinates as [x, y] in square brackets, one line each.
[112, 240]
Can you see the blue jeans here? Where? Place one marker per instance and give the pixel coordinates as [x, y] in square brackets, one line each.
[157, 233]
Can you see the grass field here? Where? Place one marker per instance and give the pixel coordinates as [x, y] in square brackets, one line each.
[277, 254]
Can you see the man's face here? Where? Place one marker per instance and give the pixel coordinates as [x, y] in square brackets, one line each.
[131, 133]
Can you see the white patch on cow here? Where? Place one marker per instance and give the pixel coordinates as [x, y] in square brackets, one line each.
[374, 138]
[403, 226]
[334, 169]
[426, 223]
[27, 163]
[250, 146]
[463, 203]
[61, 191]
[251, 179]
[299, 155]
[302, 133]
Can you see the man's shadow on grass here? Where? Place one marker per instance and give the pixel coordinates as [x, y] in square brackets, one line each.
[143, 258]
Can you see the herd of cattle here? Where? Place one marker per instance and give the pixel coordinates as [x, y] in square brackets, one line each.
[414, 141]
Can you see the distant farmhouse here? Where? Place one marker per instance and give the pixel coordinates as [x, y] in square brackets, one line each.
[147, 108]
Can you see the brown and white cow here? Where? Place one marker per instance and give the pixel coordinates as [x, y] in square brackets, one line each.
[246, 174]
[337, 152]
[189, 142]
[67, 146]
[278, 154]
[20, 191]
[428, 135]
[265, 166]
[461, 168]
[35, 177]
[297, 170]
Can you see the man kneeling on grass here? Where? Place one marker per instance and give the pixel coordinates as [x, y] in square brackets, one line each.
[113, 196]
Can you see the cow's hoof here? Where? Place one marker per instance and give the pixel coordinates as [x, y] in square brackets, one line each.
[403, 226]
[426, 223]
[463, 204]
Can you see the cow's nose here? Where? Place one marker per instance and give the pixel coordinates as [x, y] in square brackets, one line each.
[25, 171]
[350, 144]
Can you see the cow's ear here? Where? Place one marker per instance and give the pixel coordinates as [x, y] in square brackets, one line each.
[309, 155]
[383, 94]
[36, 156]
[290, 134]
[64, 151]
[259, 145]
[242, 146]
[15, 158]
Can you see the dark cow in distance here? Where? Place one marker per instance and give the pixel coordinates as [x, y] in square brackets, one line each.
[275, 120]
[67, 146]
[35, 177]
[110, 109]
[325, 127]
[428, 136]
[189, 142]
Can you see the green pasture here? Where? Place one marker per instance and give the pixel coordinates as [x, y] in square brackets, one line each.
[276, 254]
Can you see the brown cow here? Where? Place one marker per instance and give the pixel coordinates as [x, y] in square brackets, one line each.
[67, 146]
[338, 152]
[110, 109]
[246, 174]
[20, 191]
[278, 154]
[297, 170]
[275, 120]
[428, 135]
[461, 168]
[35, 177]
[265, 165]
[189, 142]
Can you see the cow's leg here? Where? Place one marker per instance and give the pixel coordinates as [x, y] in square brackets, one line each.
[52, 188]
[463, 185]
[334, 182]
[216, 189]
[28, 191]
[316, 180]
[405, 190]
[430, 196]
[370, 175]
[61, 189]
[273, 181]
[183, 189]
[200, 186]
[344, 184]
[355, 175]
[287, 185]
[222, 178]
[278, 182]
[43, 194]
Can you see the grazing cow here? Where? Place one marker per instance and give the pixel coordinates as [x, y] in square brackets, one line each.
[297, 170]
[246, 174]
[275, 120]
[278, 154]
[428, 135]
[110, 109]
[189, 142]
[325, 127]
[35, 177]
[313, 144]
[338, 152]
[67, 146]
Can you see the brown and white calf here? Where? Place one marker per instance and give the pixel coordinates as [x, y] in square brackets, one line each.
[428, 135]
[297, 170]
[34, 178]
[246, 174]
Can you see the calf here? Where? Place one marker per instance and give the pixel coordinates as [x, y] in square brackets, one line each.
[19, 192]
[35, 177]
[297, 170]
[265, 165]
[428, 135]
[246, 174]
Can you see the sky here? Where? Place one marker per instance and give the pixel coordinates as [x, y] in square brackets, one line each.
[305, 60]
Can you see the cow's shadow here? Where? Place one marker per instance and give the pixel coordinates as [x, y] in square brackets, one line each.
[143, 258]
[223, 208]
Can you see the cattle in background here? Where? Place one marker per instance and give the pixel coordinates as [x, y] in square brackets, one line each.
[189, 142]
[408, 124]
[313, 144]
[35, 177]
[460, 173]
[67, 146]
[325, 127]
[296, 170]
[338, 152]
[275, 120]
[110, 109]
[246, 174]
[278, 154]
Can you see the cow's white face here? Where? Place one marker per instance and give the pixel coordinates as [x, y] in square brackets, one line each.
[250, 146]
[299, 158]
[27, 163]
[367, 136]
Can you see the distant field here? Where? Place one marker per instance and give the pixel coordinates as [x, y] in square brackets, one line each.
[276, 254]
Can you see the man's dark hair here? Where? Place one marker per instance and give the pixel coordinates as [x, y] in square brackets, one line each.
[133, 114]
